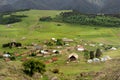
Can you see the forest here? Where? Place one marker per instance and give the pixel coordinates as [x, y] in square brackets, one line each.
[74, 17]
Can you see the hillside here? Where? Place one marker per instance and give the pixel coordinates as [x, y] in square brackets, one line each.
[83, 6]
[36, 36]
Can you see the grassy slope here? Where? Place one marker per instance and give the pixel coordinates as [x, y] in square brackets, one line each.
[36, 31]
[33, 30]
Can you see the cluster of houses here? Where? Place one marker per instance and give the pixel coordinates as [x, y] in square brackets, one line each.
[45, 51]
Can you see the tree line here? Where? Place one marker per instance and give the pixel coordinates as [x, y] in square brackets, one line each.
[88, 19]
[8, 18]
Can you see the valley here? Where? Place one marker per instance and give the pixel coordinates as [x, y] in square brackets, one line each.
[35, 36]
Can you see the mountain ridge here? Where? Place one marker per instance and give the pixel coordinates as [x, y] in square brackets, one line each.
[83, 6]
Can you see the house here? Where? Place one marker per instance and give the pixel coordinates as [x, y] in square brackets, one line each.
[101, 44]
[67, 44]
[80, 48]
[39, 55]
[56, 51]
[44, 52]
[67, 40]
[92, 45]
[73, 57]
[96, 60]
[37, 47]
[53, 39]
[89, 61]
[72, 48]
[113, 48]
[6, 55]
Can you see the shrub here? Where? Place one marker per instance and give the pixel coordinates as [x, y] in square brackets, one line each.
[86, 54]
[58, 24]
[56, 71]
[59, 42]
[48, 18]
[12, 58]
[33, 54]
[49, 43]
[33, 65]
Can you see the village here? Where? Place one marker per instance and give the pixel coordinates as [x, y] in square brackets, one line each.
[59, 44]
[49, 51]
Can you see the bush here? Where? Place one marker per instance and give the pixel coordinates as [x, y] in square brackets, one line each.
[86, 54]
[56, 71]
[49, 43]
[33, 54]
[12, 58]
[33, 65]
[59, 25]
[45, 18]
[59, 42]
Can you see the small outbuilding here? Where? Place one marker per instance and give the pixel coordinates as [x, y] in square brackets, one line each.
[113, 48]
[67, 40]
[73, 57]
[80, 48]
[56, 51]
[6, 55]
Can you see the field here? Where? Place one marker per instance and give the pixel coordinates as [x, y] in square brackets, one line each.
[36, 31]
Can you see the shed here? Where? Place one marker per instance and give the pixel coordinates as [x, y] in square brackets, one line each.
[6, 55]
[67, 40]
[80, 48]
[73, 57]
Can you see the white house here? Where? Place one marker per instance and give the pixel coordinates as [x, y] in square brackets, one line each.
[6, 55]
[80, 48]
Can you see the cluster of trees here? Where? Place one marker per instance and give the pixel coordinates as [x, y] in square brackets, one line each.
[32, 66]
[85, 19]
[12, 44]
[48, 18]
[58, 42]
[91, 54]
[9, 18]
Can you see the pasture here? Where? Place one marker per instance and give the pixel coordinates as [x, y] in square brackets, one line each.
[35, 31]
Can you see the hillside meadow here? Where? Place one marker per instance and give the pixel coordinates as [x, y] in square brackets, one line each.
[35, 31]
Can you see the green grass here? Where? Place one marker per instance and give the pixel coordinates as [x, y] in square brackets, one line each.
[36, 31]
[31, 28]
